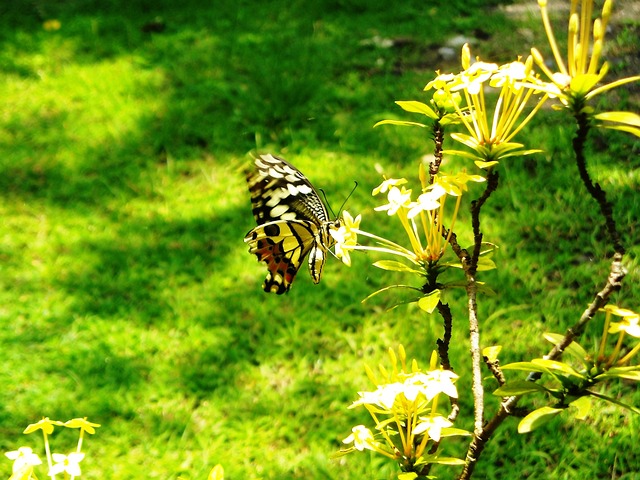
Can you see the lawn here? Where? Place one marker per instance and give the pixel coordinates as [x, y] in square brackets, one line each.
[127, 295]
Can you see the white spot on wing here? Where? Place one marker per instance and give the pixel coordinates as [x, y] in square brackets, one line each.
[279, 210]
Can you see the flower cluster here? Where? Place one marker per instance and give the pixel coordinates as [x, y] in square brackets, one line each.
[460, 99]
[426, 220]
[405, 409]
[579, 79]
[24, 460]
[490, 132]
[629, 324]
[422, 219]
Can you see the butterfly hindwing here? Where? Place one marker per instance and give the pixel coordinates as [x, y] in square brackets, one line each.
[282, 245]
[292, 222]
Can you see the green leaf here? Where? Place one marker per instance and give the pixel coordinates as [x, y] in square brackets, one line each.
[447, 461]
[450, 119]
[485, 165]
[400, 122]
[503, 148]
[452, 432]
[396, 266]
[628, 373]
[626, 118]
[463, 154]
[217, 473]
[384, 289]
[525, 366]
[615, 401]
[518, 387]
[483, 288]
[418, 107]
[583, 404]
[407, 476]
[429, 302]
[521, 153]
[537, 418]
[632, 130]
[574, 349]
[485, 263]
[558, 366]
[491, 352]
[467, 140]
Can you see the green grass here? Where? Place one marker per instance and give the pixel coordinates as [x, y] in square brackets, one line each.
[127, 294]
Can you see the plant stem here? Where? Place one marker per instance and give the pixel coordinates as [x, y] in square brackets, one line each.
[443, 352]
[438, 141]
[476, 356]
[474, 327]
[443, 343]
[594, 189]
[614, 282]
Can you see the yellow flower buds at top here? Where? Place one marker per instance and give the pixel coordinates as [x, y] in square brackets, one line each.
[466, 56]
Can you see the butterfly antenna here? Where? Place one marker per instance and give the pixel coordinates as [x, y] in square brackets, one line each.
[326, 201]
[355, 185]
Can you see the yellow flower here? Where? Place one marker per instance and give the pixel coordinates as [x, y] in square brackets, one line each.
[45, 425]
[630, 324]
[83, 424]
[577, 81]
[441, 81]
[387, 184]
[491, 132]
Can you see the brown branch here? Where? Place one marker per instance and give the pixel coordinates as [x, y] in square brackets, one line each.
[494, 368]
[443, 352]
[613, 284]
[438, 141]
[594, 189]
[470, 269]
[443, 343]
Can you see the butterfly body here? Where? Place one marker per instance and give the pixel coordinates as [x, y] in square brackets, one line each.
[292, 222]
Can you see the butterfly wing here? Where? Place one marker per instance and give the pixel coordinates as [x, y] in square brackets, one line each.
[283, 245]
[279, 191]
[292, 222]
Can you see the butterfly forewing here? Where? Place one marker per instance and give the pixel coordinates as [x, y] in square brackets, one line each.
[292, 222]
[280, 192]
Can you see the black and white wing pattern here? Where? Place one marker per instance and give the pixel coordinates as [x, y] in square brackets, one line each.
[292, 222]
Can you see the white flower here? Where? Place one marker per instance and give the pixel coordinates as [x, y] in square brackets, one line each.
[426, 202]
[67, 463]
[345, 236]
[397, 199]
[433, 426]
[23, 457]
[361, 437]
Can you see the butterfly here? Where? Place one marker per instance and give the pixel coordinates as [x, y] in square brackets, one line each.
[292, 222]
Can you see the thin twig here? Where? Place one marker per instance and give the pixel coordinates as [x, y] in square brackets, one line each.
[438, 140]
[494, 368]
[594, 189]
[613, 284]
[472, 290]
[443, 352]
